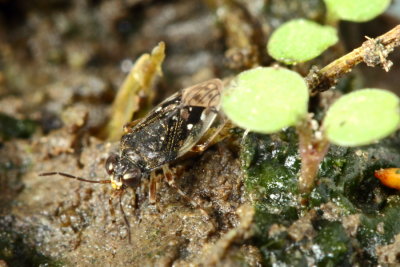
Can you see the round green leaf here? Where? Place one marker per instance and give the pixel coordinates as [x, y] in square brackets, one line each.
[357, 10]
[300, 40]
[362, 117]
[266, 99]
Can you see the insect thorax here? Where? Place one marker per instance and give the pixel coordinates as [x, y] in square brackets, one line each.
[146, 148]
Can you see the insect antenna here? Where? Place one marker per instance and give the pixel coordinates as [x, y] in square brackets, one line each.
[75, 177]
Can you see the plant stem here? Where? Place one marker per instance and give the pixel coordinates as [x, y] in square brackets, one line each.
[373, 52]
[312, 151]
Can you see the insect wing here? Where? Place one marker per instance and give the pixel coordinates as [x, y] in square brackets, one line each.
[206, 94]
[162, 111]
[202, 102]
[174, 126]
[151, 143]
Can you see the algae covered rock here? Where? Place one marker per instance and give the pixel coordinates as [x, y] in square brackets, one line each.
[346, 219]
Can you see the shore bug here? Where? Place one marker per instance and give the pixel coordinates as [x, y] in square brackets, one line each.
[170, 130]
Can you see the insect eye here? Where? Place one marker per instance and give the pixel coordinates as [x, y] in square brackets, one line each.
[110, 163]
[132, 174]
[132, 177]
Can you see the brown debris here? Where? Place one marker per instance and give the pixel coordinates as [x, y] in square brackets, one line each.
[275, 230]
[244, 35]
[215, 254]
[303, 227]
[69, 138]
[351, 223]
[389, 255]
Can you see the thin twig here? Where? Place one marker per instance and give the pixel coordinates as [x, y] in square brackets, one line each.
[373, 52]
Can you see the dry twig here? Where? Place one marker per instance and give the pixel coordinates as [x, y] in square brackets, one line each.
[373, 52]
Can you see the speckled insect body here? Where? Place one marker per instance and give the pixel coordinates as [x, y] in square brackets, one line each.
[168, 132]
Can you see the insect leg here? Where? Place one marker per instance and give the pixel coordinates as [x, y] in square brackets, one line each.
[171, 182]
[136, 204]
[119, 193]
[125, 218]
[137, 198]
[153, 188]
[112, 211]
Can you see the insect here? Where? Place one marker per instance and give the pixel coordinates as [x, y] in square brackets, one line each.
[170, 130]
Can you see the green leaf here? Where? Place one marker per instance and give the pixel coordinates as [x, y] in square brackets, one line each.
[362, 117]
[266, 99]
[300, 40]
[357, 10]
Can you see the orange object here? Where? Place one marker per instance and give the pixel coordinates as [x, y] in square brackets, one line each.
[389, 177]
